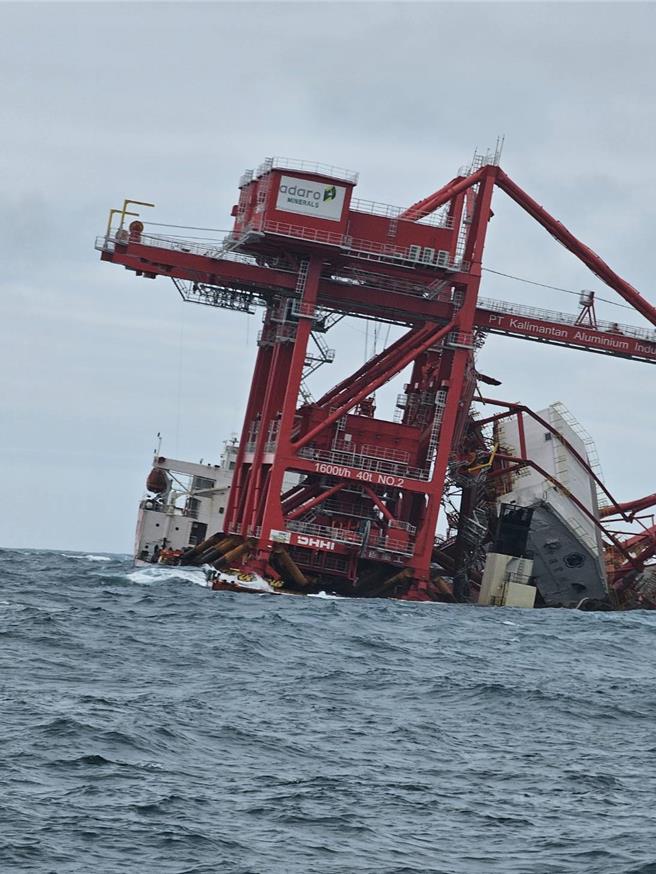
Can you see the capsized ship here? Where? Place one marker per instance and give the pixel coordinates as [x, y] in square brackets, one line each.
[534, 539]
[548, 543]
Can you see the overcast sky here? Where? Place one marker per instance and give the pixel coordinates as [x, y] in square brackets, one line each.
[170, 103]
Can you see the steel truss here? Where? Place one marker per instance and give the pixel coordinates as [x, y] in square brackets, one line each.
[369, 491]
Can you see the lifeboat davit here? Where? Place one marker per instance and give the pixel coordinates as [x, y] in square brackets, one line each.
[157, 481]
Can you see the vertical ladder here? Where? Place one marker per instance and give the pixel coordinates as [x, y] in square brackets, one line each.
[301, 279]
[440, 403]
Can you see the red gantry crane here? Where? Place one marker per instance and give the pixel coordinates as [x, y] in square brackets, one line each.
[363, 514]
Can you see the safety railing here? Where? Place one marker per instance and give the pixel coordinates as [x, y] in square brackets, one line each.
[403, 526]
[356, 509]
[323, 356]
[514, 309]
[362, 462]
[340, 535]
[280, 163]
[370, 249]
[303, 310]
[313, 235]
[387, 210]
[216, 296]
[245, 178]
[358, 276]
[326, 561]
[459, 340]
[284, 332]
[384, 543]
[219, 251]
[388, 454]
[367, 249]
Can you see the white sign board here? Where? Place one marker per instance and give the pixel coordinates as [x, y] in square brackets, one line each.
[320, 199]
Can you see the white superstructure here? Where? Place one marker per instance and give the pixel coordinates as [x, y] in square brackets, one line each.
[185, 503]
[564, 540]
[550, 454]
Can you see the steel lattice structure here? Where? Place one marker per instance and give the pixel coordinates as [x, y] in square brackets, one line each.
[366, 506]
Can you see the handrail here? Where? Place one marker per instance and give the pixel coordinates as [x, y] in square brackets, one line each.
[280, 163]
[387, 210]
[502, 306]
[107, 242]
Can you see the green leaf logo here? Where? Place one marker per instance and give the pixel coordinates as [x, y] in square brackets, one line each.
[330, 193]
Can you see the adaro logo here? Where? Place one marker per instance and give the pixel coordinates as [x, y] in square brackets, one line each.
[325, 200]
[300, 191]
[329, 192]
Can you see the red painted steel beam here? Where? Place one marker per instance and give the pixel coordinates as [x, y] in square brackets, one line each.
[349, 381]
[196, 267]
[648, 534]
[292, 499]
[518, 409]
[622, 577]
[380, 364]
[403, 308]
[555, 333]
[378, 503]
[406, 308]
[576, 247]
[416, 211]
[434, 201]
[647, 553]
[398, 365]
[304, 508]
[266, 511]
[629, 508]
[522, 434]
[456, 368]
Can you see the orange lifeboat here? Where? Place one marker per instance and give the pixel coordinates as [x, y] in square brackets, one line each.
[157, 481]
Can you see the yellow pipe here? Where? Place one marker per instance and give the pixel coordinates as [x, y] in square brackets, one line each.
[233, 555]
[227, 544]
[210, 545]
[399, 577]
[215, 552]
[125, 212]
[290, 567]
[112, 213]
[484, 464]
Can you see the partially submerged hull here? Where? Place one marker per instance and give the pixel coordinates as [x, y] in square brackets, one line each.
[558, 558]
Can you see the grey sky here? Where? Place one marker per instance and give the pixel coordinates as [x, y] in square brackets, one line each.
[170, 103]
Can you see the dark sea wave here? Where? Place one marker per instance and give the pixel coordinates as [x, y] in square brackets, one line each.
[148, 724]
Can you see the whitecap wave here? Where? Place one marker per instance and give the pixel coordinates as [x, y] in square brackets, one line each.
[328, 597]
[148, 576]
[87, 557]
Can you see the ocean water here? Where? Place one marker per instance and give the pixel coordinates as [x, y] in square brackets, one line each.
[148, 724]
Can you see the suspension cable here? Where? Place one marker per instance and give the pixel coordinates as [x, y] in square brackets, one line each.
[555, 287]
[189, 227]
